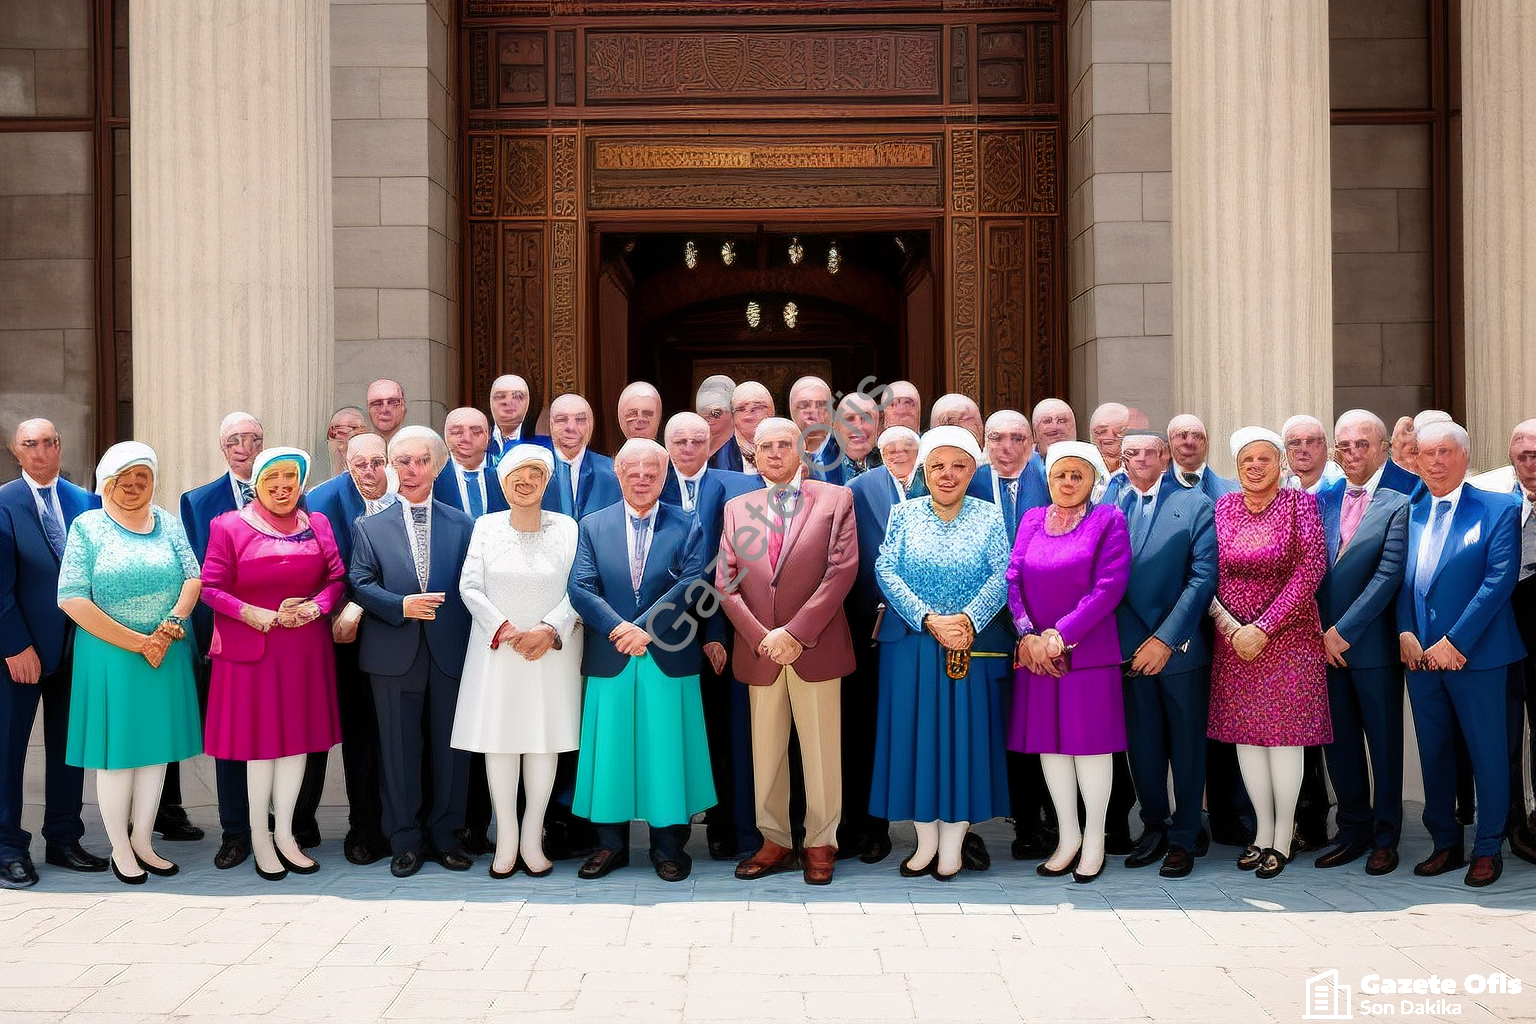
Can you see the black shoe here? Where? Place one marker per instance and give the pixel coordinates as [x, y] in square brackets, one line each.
[973, 853]
[404, 865]
[232, 853]
[1032, 844]
[1046, 872]
[74, 857]
[878, 847]
[314, 865]
[1440, 861]
[1082, 879]
[165, 872]
[177, 830]
[722, 847]
[1151, 847]
[498, 875]
[906, 870]
[359, 850]
[849, 842]
[307, 839]
[138, 879]
[1118, 844]
[17, 874]
[1382, 861]
[1522, 843]
[603, 862]
[271, 876]
[565, 838]
[1250, 858]
[473, 842]
[1178, 863]
[455, 860]
[1202, 842]
[1271, 863]
[1341, 851]
[673, 870]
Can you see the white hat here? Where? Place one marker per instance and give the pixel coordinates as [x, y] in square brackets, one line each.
[897, 433]
[947, 437]
[521, 455]
[1244, 436]
[1077, 450]
[121, 456]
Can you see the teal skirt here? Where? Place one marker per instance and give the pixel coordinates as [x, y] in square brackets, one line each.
[124, 714]
[644, 754]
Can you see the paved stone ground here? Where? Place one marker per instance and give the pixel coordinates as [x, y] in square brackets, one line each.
[354, 943]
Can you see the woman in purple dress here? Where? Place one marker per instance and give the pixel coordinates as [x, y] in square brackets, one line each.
[1071, 563]
[1269, 682]
[272, 575]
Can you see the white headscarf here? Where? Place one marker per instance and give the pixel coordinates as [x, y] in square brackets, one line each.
[121, 456]
[947, 437]
[521, 455]
[1077, 450]
[1244, 436]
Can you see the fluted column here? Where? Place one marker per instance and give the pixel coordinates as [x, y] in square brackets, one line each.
[1498, 90]
[1252, 245]
[231, 194]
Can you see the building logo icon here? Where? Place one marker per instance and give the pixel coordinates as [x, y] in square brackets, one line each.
[1327, 999]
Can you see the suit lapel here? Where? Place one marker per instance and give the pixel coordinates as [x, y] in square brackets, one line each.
[1331, 511]
[658, 560]
[1461, 522]
[795, 524]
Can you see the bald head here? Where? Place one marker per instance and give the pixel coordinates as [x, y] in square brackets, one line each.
[1106, 427]
[386, 406]
[570, 424]
[905, 407]
[510, 398]
[1522, 455]
[241, 439]
[1009, 443]
[366, 461]
[1188, 441]
[37, 448]
[956, 410]
[810, 404]
[1306, 447]
[467, 432]
[640, 410]
[713, 402]
[687, 437]
[1053, 420]
[751, 403]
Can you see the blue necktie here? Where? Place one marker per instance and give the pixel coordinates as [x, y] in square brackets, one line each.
[247, 493]
[563, 485]
[637, 557]
[1425, 571]
[472, 486]
[1011, 505]
[52, 528]
[693, 491]
[1143, 514]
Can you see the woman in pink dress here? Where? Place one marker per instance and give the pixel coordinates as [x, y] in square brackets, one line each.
[1269, 682]
[272, 576]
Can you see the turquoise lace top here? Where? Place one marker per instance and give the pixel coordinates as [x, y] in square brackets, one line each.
[133, 577]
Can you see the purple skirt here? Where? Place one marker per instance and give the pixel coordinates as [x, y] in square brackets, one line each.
[1081, 713]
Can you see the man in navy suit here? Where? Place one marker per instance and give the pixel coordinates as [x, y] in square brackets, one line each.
[702, 491]
[751, 403]
[1190, 448]
[1367, 529]
[405, 574]
[713, 403]
[362, 490]
[1399, 473]
[584, 480]
[241, 439]
[852, 450]
[1458, 638]
[1522, 684]
[509, 408]
[36, 641]
[1167, 658]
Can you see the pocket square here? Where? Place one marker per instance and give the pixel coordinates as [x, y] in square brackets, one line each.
[1472, 535]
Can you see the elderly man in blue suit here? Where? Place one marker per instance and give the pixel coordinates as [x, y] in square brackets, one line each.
[415, 629]
[468, 482]
[751, 403]
[510, 405]
[852, 452]
[1167, 659]
[584, 480]
[1522, 459]
[1367, 529]
[1457, 636]
[36, 641]
[241, 439]
[702, 490]
[361, 491]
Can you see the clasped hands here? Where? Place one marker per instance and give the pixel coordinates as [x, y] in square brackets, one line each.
[629, 639]
[1442, 655]
[532, 644]
[953, 632]
[154, 646]
[291, 614]
[781, 647]
[1042, 653]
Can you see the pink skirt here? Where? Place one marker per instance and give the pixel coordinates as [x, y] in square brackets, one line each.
[282, 705]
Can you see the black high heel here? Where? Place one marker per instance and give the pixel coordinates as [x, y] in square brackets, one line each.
[314, 865]
[162, 872]
[908, 871]
[499, 875]
[138, 879]
[1250, 858]
[1043, 871]
[536, 874]
[1082, 879]
[271, 876]
[1271, 863]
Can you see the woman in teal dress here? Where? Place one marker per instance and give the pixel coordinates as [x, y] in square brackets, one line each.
[129, 580]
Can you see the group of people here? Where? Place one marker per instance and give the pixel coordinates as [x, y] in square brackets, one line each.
[796, 629]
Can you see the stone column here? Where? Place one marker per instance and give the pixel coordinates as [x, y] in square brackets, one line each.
[232, 251]
[1498, 88]
[1252, 245]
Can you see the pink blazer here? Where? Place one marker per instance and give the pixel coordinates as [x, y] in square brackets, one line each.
[804, 593]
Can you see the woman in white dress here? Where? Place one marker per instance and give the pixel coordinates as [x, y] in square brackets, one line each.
[520, 696]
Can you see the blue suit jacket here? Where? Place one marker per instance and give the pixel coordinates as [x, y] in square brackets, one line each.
[1469, 591]
[446, 488]
[874, 495]
[716, 488]
[1173, 577]
[383, 574]
[526, 435]
[1396, 478]
[1033, 490]
[728, 457]
[1212, 485]
[339, 500]
[597, 488]
[1358, 593]
[603, 595]
[29, 574]
[200, 507]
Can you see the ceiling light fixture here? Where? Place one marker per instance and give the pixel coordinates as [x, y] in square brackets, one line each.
[834, 259]
[690, 254]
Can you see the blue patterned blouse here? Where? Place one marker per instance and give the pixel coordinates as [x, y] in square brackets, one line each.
[929, 566]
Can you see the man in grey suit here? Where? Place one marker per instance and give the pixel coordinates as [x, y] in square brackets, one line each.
[1367, 528]
[1167, 659]
[415, 629]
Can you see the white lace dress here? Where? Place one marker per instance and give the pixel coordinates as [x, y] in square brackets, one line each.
[507, 704]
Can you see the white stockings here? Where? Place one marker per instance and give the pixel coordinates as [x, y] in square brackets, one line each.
[1272, 776]
[131, 795]
[274, 785]
[1066, 777]
[538, 778]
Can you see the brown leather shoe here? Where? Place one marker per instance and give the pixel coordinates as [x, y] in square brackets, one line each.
[1381, 862]
[819, 862]
[770, 858]
[1485, 870]
[1441, 861]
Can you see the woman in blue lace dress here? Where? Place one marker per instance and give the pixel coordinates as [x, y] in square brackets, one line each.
[945, 658]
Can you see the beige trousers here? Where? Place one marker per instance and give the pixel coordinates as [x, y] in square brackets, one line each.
[815, 709]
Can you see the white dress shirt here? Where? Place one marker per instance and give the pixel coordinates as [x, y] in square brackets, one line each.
[630, 513]
[458, 475]
[1199, 471]
[37, 498]
[682, 486]
[1426, 539]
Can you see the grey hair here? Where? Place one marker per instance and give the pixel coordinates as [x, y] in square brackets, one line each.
[1109, 410]
[1429, 416]
[639, 448]
[679, 420]
[1439, 430]
[639, 389]
[714, 392]
[952, 402]
[772, 425]
[1302, 419]
[1002, 416]
[1357, 416]
[363, 435]
[233, 420]
[416, 432]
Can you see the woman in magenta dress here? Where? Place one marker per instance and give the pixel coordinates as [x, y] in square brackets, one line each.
[1071, 563]
[272, 575]
[1269, 681]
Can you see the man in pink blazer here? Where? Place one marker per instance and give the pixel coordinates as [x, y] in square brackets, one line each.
[788, 557]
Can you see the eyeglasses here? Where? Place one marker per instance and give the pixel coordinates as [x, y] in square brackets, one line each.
[386, 403]
[32, 444]
[996, 438]
[374, 464]
[714, 414]
[341, 433]
[1353, 446]
[234, 441]
[1298, 443]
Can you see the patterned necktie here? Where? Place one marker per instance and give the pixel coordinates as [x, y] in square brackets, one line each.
[563, 487]
[642, 525]
[52, 528]
[1011, 505]
[776, 534]
[1189, 479]
[692, 487]
[1143, 522]
[247, 493]
[419, 529]
[472, 486]
[1355, 501]
[1528, 543]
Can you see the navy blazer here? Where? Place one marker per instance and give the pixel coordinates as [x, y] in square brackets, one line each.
[717, 487]
[603, 595]
[1212, 485]
[339, 500]
[525, 435]
[446, 488]
[1034, 492]
[1396, 478]
[874, 495]
[1468, 598]
[200, 507]
[29, 573]
[728, 456]
[1173, 576]
[1357, 595]
[383, 574]
[597, 488]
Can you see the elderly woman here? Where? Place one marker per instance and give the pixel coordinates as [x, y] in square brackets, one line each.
[943, 659]
[520, 695]
[1269, 682]
[644, 753]
[129, 580]
[272, 576]
[1071, 564]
